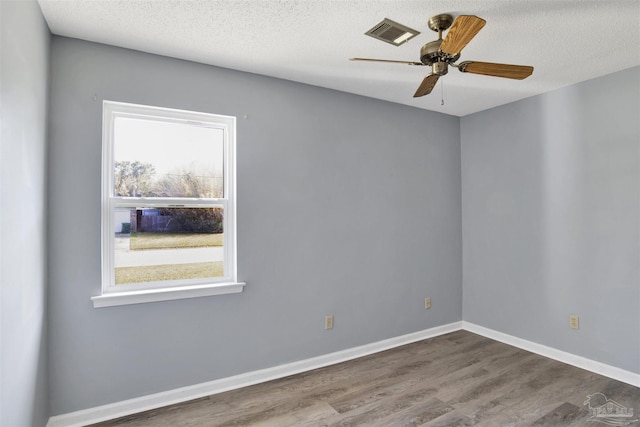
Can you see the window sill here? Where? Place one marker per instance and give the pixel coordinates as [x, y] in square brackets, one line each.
[167, 294]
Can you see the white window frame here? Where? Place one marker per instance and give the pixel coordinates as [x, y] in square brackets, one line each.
[165, 290]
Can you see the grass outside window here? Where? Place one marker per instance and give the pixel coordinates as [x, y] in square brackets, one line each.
[142, 241]
[159, 241]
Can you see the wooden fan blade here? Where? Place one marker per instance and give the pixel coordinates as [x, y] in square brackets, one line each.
[427, 85]
[386, 60]
[508, 71]
[464, 28]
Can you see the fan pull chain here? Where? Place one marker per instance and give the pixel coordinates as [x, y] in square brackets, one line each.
[441, 92]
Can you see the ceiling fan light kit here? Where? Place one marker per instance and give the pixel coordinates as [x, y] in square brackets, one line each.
[441, 53]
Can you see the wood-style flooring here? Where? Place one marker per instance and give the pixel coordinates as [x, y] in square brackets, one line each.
[458, 379]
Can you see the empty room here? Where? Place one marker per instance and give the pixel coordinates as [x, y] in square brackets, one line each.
[319, 213]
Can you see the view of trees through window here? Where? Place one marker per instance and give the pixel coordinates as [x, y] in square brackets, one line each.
[139, 179]
[167, 160]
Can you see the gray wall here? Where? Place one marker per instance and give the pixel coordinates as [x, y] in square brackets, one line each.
[551, 218]
[346, 206]
[24, 67]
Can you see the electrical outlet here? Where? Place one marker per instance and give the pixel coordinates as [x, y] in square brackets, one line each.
[427, 303]
[574, 321]
[328, 322]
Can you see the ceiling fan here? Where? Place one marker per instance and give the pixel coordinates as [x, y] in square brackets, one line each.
[439, 54]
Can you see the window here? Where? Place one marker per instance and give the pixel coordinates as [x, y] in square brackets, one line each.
[168, 205]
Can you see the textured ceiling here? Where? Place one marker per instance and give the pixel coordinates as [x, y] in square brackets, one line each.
[310, 41]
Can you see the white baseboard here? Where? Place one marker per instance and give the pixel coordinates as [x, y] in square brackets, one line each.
[157, 400]
[552, 353]
[153, 401]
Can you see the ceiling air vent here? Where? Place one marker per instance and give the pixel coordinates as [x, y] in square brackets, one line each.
[392, 32]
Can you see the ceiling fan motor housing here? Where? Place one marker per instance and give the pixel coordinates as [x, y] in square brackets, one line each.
[430, 53]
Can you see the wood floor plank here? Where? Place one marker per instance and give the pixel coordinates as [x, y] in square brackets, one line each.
[458, 379]
[562, 415]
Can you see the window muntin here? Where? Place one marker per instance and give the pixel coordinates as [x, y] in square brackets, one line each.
[168, 198]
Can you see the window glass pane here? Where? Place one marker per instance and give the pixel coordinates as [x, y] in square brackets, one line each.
[167, 159]
[157, 244]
